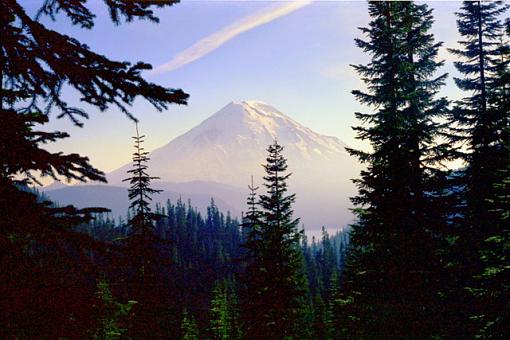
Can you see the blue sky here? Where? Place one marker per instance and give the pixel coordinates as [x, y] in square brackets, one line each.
[298, 62]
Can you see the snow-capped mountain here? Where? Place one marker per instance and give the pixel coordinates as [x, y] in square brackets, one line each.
[230, 146]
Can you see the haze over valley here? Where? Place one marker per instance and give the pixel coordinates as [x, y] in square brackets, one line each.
[218, 157]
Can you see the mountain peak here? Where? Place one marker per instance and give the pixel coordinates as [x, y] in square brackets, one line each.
[250, 108]
[230, 146]
[233, 141]
[249, 102]
[257, 105]
[254, 102]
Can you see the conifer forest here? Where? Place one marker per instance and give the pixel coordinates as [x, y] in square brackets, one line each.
[427, 255]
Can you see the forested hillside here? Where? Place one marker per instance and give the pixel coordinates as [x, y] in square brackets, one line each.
[205, 252]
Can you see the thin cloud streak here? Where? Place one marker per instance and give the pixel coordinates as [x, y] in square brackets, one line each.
[213, 41]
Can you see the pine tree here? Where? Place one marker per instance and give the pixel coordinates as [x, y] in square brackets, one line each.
[36, 65]
[31, 70]
[476, 116]
[391, 277]
[224, 313]
[480, 121]
[341, 323]
[142, 245]
[329, 264]
[251, 229]
[142, 236]
[275, 297]
[37, 242]
[312, 267]
[322, 319]
[109, 314]
[492, 284]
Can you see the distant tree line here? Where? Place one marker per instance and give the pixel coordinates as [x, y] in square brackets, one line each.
[205, 261]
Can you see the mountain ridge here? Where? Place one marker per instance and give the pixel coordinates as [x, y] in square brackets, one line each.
[229, 147]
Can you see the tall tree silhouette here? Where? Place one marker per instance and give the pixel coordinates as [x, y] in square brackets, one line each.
[275, 297]
[251, 225]
[143, 247]
[142, 237]
[39, 249]
[494, 282]
[480, 121]
[391, 278]
[36, 65]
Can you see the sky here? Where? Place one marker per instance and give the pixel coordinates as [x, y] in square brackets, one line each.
[292, 55]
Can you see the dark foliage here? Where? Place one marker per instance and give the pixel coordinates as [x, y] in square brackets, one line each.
[392, 272]
[48, 279]
[39, 62]
[148, 285]
[274, 301]
[480, 122]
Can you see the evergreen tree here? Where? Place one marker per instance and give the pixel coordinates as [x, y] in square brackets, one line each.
[142, 233]
[322, 319]
[251, 231]
[189, 328]
[142, 245]
[39, 247]
[275, 297]
[224, 313]
[109, 314]
[340, 324]
[492, 284]
[312, 268]
[480, 123]
[391, 277]
[193, 276]
[328, 261]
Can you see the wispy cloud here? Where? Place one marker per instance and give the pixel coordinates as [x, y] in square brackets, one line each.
[211, 42]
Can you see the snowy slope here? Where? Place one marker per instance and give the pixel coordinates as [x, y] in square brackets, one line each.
[230, 146]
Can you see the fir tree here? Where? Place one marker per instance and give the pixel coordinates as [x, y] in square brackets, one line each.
[492, 284]
[322, 319]
[142, 245]
[328, 261]
[480, 123]
[391, 277]
[36, 65]
[37, 242]
[251, 228]
[275, 297]
[224, 313]
[192, 276]
[340, 324]
[29, 68]
[142, 238]
[109, 314]
[312, 267]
